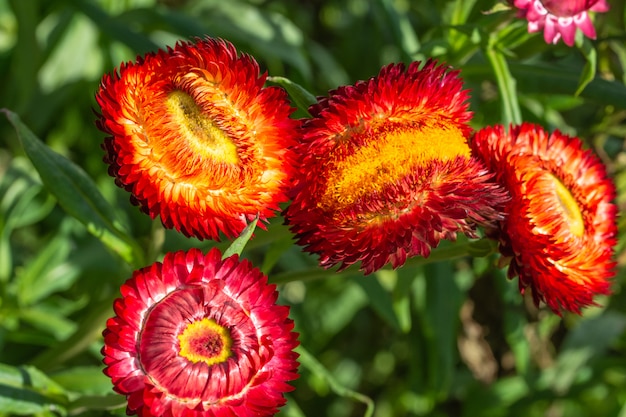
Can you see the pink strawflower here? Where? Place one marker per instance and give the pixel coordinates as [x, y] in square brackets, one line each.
[198, 336]
[560, 18]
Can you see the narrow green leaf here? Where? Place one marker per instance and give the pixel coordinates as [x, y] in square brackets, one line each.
[47, 321]
[379, 299]
[239, 244]
[88, 380]
[402, 297]
[440, 319]
[291, 409]
[589, 71]
[312, 364]
[494, 400]
[25, 390]
[400, 25]
[6, 258]
[97, 402]
[115, 28]
[515, 321]
[591, 337]
[46, 273]
[269, 33]
[445, 252]
[481, 248]
[542, 79]
[76, 193]
[89, 330]
[301, 97]
[460, 11]
[274, 251]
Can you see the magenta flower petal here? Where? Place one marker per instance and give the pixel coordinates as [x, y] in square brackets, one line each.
[559, 19]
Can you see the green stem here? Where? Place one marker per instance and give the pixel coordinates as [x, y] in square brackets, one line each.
[479, 248]
[511, 113]
[312, 364]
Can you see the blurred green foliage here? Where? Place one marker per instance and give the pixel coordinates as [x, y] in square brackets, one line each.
[449, 338]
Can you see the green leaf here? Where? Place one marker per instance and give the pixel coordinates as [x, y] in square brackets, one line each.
[591, 337]
[76, 193]
[89, 330]
[494, 400]
[301, 97]
[543, 79]
[97, 402]
[401, 27]
[402, 297]
[268, 33]
[440, 320]
[47, 272]
[274, 251]
[459, 12]
[239, 244]
[515, 322]
[379, 298]
[88, 380]
[25, 390]
[115, 28]
[589, 72]
[291, 409]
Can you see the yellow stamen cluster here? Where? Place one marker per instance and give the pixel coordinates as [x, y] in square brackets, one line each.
[199, 132]
[569, 207]
[205, 341]
[387, 157]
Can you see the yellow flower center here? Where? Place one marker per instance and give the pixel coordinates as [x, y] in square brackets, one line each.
[205, 341]
[569, 207]
[199, 131]
[386, 158]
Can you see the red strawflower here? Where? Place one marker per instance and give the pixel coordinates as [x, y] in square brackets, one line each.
[560, 18]
[199, 336]
[385, 170]
[197, 139]
[560, 230]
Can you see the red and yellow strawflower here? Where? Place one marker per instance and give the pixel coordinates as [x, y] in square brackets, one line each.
[385, 171]
[560, 230]
[197, 139]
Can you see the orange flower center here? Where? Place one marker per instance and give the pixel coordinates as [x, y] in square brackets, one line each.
[569, 207]
[386, 158]
[198, 131]
[205, 341]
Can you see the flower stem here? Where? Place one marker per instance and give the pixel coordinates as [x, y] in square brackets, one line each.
[477, 248]
[511, 113]
[312, 364]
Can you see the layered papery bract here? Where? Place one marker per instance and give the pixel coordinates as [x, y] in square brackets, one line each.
[559, 19]
[560, 230]
[197, 139]
[200, 336]
[385, 172]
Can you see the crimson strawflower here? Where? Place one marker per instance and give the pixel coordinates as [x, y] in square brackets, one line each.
[560, 230]
[198, 336]
[560, 18]
[197, 139]
[385, 171]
